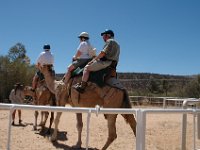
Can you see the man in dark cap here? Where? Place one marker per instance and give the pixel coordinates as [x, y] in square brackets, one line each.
[107, 57]
[45, 58]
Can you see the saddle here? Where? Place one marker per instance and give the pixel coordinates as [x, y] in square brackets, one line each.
[107, 76]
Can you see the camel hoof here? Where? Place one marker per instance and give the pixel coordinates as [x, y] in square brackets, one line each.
[48, 132]
[34, 128]
[52, 139]
[78, 145]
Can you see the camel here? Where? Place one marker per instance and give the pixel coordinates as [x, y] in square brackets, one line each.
[17, 97]
[106, 97]
[41, 96]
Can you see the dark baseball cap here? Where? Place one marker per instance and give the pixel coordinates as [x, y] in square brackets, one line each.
[108, 32]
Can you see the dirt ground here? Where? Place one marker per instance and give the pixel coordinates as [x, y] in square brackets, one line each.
[163, 132]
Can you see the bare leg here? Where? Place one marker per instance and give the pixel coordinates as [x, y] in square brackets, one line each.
[68, 74]
[13, 117]
[67, 77]
[111, 130]
[35, 125]
[35, 81]
[20, 115]
[79, 127]
[86, 74]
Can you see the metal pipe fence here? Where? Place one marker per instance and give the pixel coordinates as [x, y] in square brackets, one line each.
[141, 116]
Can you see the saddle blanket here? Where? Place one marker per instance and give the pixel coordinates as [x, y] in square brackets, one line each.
[113, 82]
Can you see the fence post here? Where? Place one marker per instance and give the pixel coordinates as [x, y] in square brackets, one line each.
[184, 126]
[194, 131]
[140, 129]
[88, 128]
[9, 127]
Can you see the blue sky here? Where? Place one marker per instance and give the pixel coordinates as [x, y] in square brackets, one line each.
[156, 36]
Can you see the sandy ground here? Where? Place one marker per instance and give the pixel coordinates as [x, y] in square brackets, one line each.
[163, 132]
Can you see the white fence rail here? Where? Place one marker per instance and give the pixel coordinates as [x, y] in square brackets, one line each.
[140, 118]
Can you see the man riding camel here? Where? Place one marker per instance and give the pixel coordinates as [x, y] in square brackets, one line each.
[45, 58]
[109, 56]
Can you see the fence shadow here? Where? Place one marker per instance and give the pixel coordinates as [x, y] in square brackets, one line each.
[61, 136]
[66, 147]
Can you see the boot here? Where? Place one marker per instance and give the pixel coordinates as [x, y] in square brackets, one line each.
[81, 88]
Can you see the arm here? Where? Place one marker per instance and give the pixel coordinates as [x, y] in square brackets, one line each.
[101, 54]
[78, 54]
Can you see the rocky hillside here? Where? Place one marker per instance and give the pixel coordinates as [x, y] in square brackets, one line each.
[141, 83]
[143, 80]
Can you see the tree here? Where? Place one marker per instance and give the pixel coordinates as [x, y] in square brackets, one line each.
[17, 52]
[4, 76]
[165, 86]
[153, 86]
[15, 67]
[193, 88]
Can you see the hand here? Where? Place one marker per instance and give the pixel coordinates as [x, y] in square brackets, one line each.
[91, 62]
[74, 58]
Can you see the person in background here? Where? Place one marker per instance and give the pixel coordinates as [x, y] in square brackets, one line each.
[17, 97]
[45, 58]
[109, 56]
[82, 57]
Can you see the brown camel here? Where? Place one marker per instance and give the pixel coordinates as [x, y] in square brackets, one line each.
[106, 97]
[41, 96]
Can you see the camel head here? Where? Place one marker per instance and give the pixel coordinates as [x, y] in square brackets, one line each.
[47, 70]
[28, 91]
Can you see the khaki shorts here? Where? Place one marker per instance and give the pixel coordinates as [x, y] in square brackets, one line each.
[98, 65]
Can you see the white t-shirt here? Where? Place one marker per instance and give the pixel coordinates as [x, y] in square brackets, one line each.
[16, 98]
[45, 58]
[84, 47]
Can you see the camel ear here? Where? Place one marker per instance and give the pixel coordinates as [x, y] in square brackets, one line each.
[44, 67]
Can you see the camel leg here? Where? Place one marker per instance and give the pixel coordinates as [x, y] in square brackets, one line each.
[112, 135]
[130, 119]
[36, 116]
[56, 122]
[52, 103]
[79, 127]
[42, 118]
[46, 114]
[51, 122]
